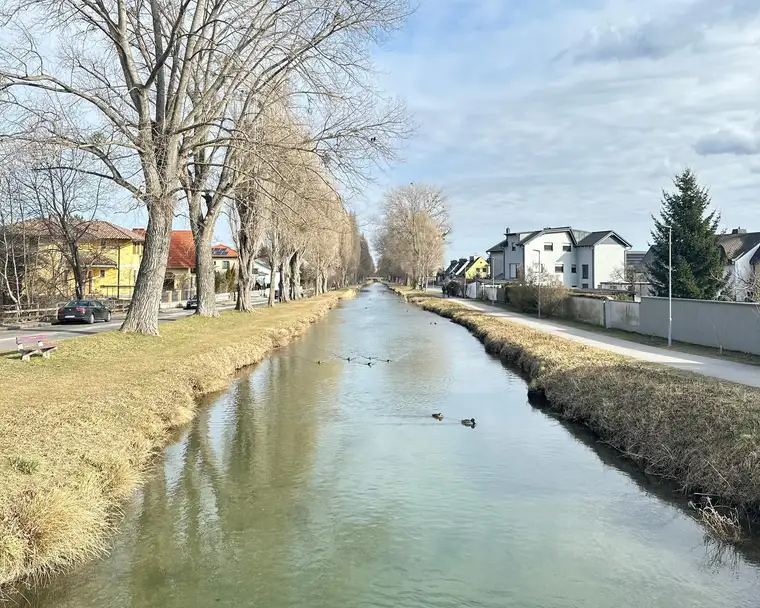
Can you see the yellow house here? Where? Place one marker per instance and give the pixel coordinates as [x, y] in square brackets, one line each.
[109, 255]
[474, 268]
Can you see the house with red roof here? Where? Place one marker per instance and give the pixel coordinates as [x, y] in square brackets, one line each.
[180, 268]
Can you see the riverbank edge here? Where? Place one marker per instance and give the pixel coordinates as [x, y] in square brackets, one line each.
[51, 525]
[700, 432]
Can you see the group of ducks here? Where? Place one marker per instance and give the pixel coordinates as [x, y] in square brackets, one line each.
[465, 422]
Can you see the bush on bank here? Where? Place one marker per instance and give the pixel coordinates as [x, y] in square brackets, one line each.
[80, 429]
[701, 432]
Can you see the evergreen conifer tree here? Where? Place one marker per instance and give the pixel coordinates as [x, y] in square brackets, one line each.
[698, 260]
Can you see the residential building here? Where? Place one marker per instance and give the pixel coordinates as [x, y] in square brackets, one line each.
[224, 256]
[578, 258]
[742, 251]
[109, 256]
[180, 267]
[474, 267]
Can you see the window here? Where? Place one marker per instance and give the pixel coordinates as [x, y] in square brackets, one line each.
[573, 269]
[584, 271]
[559, 268]
[513, 271]
[513, 247]
[102, 243]
[226, 265]
[584, 285]
[102, 274]
[574, 286]
[567, 247]
[548, 246]
[192, 271]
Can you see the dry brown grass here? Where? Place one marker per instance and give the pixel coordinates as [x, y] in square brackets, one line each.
[80, 429]
[702, 432]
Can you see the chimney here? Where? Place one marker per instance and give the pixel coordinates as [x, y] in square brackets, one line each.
[739, 231]
[472, 258]
[453, 262]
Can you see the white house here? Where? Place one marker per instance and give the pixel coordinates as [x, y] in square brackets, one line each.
[742, 251]
[579, 258]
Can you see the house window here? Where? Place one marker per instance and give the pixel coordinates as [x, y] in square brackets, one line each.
[102, 243]
[573, 269]
[559, 268]
[226, 265]
[548, 246]
[192, 271]
[574, 286]
[513, 247]
[102, 274]
[584, 271]
[584, 285]
[513, 271]
[567, 247]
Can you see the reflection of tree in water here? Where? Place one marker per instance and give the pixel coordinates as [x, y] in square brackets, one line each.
[719, 555]
[239, 494]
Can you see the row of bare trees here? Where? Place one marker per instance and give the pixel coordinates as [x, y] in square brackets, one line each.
[412, 232]
[260, 107]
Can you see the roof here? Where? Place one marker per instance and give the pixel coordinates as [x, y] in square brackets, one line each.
[181, 250]
[461, 266]
[223, 251]
[97, 260]
[452, 266]
[738, 245]
[93, 230]
[596, 237]
[497, 248]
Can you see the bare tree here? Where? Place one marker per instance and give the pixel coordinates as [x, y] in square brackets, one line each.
[413, 229]
[145, 86]
[629, 276]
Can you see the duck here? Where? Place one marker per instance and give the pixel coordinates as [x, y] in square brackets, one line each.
[438, 416]
[470, 422]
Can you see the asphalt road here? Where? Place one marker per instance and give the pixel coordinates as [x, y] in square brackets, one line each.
[77, 330]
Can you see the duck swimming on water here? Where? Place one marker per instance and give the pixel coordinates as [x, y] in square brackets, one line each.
[470, 422]
[438, 416]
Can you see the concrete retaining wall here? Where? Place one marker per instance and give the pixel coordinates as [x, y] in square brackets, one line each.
[622, 315]
[728, 325]
[585, 310]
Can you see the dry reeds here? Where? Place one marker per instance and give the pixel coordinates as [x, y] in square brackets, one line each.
[702, 432]
[80, 429]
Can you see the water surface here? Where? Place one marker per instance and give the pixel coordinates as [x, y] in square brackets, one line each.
[329, 485]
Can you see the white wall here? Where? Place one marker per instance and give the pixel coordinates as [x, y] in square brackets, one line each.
[550, 259]
[739, 273]
[584, 257]
[609, 255]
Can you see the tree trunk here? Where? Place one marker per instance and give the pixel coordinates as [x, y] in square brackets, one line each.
[246, 264]
[272, 283]
[203, 231]
[142, 316]
[325, 288]
[295, 276]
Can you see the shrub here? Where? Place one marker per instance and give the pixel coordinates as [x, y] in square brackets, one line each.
[524, 294]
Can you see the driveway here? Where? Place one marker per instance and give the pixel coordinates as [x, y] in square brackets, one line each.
[707, 366]
[77, 330]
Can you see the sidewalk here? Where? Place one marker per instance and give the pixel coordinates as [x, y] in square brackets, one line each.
[707, 366]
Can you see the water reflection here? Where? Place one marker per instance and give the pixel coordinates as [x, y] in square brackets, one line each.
[330, 485]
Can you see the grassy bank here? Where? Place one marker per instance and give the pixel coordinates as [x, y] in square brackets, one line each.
[80, 429]
[702, 432]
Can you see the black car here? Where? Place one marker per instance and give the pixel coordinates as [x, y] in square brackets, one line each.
[88, 311]
[192, 303]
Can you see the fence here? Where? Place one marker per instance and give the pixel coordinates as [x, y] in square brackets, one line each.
[725, 325]
[37, 315]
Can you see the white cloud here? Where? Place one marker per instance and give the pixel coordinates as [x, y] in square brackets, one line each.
[578, 113]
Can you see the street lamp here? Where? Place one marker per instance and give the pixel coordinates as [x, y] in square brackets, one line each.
[670, 284]
[538, 251]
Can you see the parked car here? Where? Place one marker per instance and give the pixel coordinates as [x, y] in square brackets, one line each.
[191, 303]
[88, 311]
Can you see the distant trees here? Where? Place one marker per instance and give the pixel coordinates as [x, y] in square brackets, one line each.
[366, 263]
[412, 232]
[697, 258]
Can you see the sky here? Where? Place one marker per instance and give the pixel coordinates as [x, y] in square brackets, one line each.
[535, 113]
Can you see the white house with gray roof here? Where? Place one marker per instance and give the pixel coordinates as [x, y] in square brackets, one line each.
[579, 258]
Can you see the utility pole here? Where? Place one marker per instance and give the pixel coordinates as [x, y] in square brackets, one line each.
[540, 272]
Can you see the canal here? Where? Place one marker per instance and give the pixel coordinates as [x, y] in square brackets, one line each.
[316, 481]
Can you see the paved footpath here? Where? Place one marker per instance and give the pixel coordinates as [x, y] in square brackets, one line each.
[707, 366]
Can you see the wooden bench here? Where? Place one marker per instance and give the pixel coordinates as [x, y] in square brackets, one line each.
[34, 345]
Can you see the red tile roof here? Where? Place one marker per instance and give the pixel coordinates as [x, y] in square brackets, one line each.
[92, 230]
[223, 251]
[181, 250]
